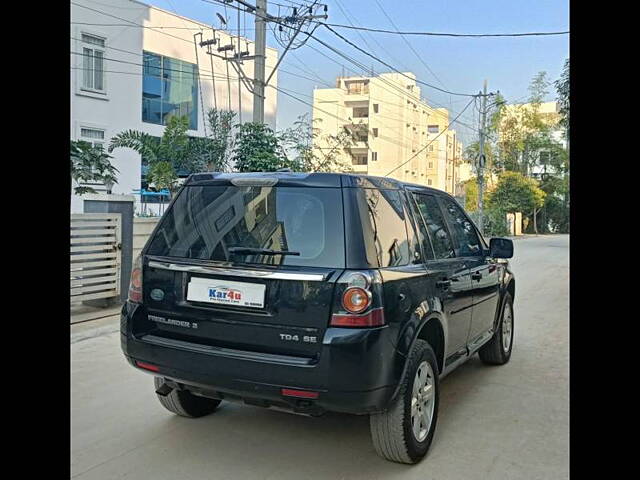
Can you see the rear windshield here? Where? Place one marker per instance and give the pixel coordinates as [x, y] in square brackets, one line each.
[205, 221]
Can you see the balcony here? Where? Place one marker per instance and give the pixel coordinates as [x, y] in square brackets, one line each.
[357, 88]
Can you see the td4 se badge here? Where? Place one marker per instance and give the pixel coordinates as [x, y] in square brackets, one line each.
[298, 338]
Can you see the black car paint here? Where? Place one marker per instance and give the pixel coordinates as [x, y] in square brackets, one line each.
[355, 370]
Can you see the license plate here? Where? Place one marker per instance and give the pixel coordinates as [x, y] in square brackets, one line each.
[224, 292]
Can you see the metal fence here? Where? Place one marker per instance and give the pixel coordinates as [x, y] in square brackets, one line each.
[95, 256]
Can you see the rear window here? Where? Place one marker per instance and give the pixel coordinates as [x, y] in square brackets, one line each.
[205, 221]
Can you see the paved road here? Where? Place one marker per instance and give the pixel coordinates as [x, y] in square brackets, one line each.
[508, 422]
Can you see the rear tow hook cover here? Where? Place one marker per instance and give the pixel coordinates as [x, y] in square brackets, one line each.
[164, 390]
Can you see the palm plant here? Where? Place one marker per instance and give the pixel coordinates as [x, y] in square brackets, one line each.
[90, 163]
[176, 151]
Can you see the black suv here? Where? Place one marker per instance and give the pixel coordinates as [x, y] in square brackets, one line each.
[317, 292]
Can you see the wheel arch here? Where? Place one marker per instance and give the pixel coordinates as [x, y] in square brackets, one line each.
[431, 328]
[432, 332]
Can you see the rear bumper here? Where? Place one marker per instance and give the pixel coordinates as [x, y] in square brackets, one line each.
[355, 372]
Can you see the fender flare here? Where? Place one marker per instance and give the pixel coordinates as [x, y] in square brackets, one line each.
[508, 280]
[420, 317]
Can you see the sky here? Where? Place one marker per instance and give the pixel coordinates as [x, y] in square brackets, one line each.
[459, 64]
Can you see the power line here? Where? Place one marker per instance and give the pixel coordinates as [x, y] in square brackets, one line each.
[442, 34]
[391, 140]
[398, 90]
[272, 19]
[167, 69]
[409, 45]
[389, 83]
[134, 26]
[391, 66]
[433, 140]
[344, 11]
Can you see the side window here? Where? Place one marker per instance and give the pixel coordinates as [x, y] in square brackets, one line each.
[466, 239]
[415, 253]
[430, 210]
[423, 235]
[387, 217]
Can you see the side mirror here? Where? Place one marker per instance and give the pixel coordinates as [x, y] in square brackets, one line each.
[501, 247]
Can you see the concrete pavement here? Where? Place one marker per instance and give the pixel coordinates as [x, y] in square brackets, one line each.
[508, 422]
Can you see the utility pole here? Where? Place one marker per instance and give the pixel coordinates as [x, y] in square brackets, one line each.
[481, 158]
[289, 27]
[259, 64]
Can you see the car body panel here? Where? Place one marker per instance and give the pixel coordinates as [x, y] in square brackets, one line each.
[237, 353]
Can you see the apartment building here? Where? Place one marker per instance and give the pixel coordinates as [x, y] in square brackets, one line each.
[395, 132]
[126, 73]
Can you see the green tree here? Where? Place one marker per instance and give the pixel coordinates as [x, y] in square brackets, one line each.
[471, 195]
[300, 144]
[162, 175]
[89, 164]
[177, 150]
[217, 149]
[525, 131]
[257, 149]
[172, 148]
[516, 193]
[562, 88]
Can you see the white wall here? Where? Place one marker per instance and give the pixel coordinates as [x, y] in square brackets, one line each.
[121, 108]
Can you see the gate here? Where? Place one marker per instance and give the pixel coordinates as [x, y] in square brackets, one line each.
[95, 256]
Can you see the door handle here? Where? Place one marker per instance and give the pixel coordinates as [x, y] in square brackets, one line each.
[476, 275]
[444, 284]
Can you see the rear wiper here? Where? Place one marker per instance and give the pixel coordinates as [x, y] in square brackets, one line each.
[262, 251]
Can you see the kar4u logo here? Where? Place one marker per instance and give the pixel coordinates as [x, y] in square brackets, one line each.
[225, 294]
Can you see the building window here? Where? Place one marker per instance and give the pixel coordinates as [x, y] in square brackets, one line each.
[431, 148]
[359, 159]
[429, 182]
[360, 112]
[375, 132]
[375, 108]
[433, 129]
[94, 136]
[374, 156]
[169, 88]
[93, 63]
[430, 164]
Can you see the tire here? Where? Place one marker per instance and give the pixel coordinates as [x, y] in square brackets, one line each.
[495, 351]
[392, 431]
[184, 403]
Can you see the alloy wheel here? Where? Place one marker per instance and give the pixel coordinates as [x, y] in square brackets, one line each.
[507, 327]
[422, 401]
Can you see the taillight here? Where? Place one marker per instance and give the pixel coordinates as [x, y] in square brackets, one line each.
[356, 299]
[290, 392]
[359, 300]
[147, 366]
[135, 285]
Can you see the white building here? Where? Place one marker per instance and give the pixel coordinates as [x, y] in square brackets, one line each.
[126, 74]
